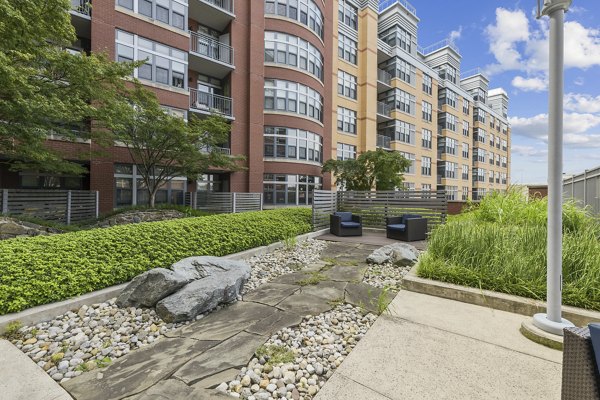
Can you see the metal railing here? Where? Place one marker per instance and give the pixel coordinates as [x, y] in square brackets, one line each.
[437, 46]
[211, 103]
[385, 4]
[384, 141]
[210, 149]
[224, 202]
[384, 76]
[226, 5]
[473, 72]
[81, 7]
[384, 109]
[210, 47]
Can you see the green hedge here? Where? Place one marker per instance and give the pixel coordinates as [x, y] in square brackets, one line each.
[46, 269]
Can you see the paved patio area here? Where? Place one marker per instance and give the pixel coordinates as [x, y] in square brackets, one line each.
[432, 348]
[370, 237]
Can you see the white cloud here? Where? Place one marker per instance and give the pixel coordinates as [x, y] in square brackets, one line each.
[530, 84]
[579, 81]
[455, 35]
[529, 151]
[582, 103]
[575, 127]
[510, 28]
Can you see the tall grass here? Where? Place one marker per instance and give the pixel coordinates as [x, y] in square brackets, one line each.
[501, 246]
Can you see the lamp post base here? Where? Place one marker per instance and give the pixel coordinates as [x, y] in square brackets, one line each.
[556, 328]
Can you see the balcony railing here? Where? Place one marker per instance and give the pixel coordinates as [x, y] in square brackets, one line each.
[210, 149]
[226, 5]
[211, 103]
[384, 76]
[385, 4]
[384, 109]
[384, 141]
[438, 46]
[81, 7]
[210, 47]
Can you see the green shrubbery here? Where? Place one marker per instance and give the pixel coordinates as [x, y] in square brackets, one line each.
[501, 245]
[45, 269]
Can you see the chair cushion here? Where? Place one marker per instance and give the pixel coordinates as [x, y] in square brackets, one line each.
[595, 335]
[409, 216]
[345, 216]
[350, 224]
[397, 227]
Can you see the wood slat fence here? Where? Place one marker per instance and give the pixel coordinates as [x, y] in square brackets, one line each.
[224, 202]
[375, 206]
[64, 206]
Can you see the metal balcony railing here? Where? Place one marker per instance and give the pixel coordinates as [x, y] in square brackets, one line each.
[226, 5]
[81, 7]
[211, 103]
[385, 4]
[384, 109]
[210, 47]
[384, 141]
[210, 149]
[384, 76]
[437, 46]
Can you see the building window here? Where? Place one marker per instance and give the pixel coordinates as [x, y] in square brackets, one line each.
[410, 157]
[427, 84]
[130, 188]
[426, 166]
[170, 12]
[281, 189]
[479, 115]
[465, 172]
[426, 187]
[491, 140]
[163, 64]
[498, 160]
[480, 135]
[447, 96]
[451, 192]
[448, 121]
[479, 155]
[399, 100]
[348, 14]
[426, 139]
[448, 169]
[346, 120]
[465, 150]
[479, 175]
[504, 144]
[397, 36]
[479, 95]
[293, 97]
[294, 144]
[346, 151]
[398, 68]
[281, 48]
[466, 128]
[504, 161]
[347, 48]
[465, 193]
[427, 111]
[466, 106]
[447, 145]
[448, 72]
[346, 84]
[399, 131]
[491, 158]
[304, 11]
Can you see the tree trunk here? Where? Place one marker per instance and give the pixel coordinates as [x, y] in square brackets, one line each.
[152, 198]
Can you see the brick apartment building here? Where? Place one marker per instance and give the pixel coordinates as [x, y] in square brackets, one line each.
[300, 81]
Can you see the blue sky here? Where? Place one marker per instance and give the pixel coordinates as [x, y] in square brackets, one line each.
[505, 39]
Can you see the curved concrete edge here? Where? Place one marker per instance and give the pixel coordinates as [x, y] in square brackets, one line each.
[495, 300]
[46, 312]
[535, 334]
[24, 380]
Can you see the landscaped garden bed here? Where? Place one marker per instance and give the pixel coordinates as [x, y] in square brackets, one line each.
[500, 245]
[41, 270]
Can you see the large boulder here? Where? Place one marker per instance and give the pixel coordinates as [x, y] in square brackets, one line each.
[222, 282]
[400, 254]
[147, 289]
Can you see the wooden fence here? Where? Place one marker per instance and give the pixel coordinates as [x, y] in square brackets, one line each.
[65, 206]
[374, 206]
[224, 202]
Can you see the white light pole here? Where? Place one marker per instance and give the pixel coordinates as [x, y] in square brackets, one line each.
[552, 321]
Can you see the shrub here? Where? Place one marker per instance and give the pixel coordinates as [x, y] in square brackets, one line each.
[42, 270]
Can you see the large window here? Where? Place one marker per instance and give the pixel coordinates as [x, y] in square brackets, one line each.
[427, 84]
[163, 64]
[480, 135]
[399, 100]
[170, 12]
[448, 169]
[293, 97]
[448, 72]
[347, 48]
[479, 155]
[448, 121]
[466, 128]
[346, 120]
[130, 188]
[466, 106]
[447, 96]
[447, 145]
[396, 36]
[348, 14]
[346, 151]
[479, 115]
[426, 166]
[281, 48]
[401, 69]
[410, 157]
[399, 131]
[465, 172]
[427, 111]
[479, 175]
[465, 150]
[346, 84]
[290, 189]
[426, 139]
[304, 11]
[295, 144]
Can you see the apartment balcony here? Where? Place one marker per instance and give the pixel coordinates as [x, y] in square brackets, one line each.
[384, 112]
[208, 103]
[210, 56]
[216, 14]
[210, 149]
[384, 142]
[384, 81]
[81, 17]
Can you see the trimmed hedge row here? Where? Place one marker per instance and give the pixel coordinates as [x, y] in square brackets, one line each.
[46, 269]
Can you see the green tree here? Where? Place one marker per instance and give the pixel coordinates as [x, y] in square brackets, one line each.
[165, 146]
[379, 170]
[46, 90]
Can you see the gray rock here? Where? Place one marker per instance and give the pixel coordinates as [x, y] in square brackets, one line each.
[146, 289]
[401, 254]
[190, 269]
[222, 284]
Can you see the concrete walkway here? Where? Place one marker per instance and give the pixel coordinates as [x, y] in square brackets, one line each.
[432, 348]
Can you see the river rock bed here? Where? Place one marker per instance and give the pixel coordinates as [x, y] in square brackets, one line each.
[386, 275]
[316, 348]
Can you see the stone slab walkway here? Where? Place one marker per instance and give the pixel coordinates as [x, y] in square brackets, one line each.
[432, 348]
[194, 359]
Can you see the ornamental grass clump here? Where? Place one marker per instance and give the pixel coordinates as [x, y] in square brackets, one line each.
[500, 245]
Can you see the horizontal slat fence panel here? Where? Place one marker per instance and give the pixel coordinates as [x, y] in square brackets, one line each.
[52, 205]
[248, 202]
[376, 206]
[224, 202]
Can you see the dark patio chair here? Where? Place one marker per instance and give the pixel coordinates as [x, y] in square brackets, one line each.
[345, 224]
[408, 228]
[580, 377]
